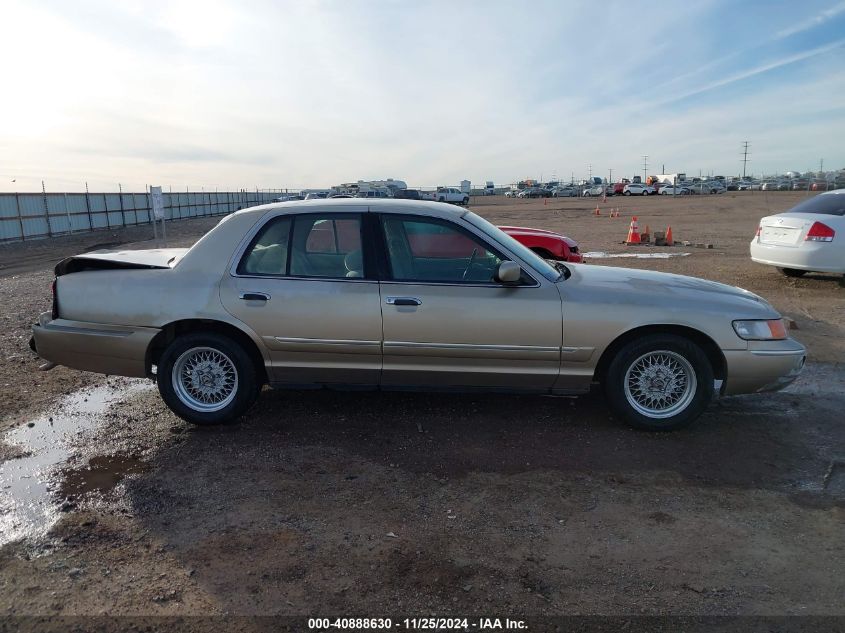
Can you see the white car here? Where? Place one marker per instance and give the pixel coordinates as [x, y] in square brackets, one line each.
[804, 238]
[672, 190]
[636, 189]
[595, 190]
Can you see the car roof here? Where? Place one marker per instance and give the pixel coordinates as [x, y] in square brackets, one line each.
[357, 205]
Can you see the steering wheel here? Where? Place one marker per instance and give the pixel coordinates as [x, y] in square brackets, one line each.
[469, 265]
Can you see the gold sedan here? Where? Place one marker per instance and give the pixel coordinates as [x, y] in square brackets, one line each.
[396, 294]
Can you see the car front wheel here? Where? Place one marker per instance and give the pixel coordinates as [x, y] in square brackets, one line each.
[659, 382]
[207, 378]
[627, 193]
[792, 272]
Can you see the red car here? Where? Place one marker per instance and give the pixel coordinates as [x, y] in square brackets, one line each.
[547, 244]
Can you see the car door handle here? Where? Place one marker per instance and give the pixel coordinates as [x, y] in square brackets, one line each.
[255, 296]
[403, 301]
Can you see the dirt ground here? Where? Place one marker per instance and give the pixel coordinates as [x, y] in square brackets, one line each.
[323, 503]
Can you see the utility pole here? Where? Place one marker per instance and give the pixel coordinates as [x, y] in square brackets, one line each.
[590, 168]
[744, 157]
[645, 167]
[610, 176]
[821, 167]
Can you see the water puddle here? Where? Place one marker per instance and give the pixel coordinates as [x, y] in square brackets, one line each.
[603, 255]
[28, 506]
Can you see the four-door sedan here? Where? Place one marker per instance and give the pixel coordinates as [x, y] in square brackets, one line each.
[401, 294]
[674, 190]
[803, 239]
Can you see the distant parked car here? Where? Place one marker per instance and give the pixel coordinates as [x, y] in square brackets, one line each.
[547, 244]
[638, 189]
[744, 185]
[672, 190]
[784, 186]
[803, 238]
[407, 194]
[595, 190]
[565, 192]
[511, 193]
[451, 194]
[702, 188]
[534, 192]
[341, 195]
[316, 196]
[290, 197]
[821, 185]
[372, 194]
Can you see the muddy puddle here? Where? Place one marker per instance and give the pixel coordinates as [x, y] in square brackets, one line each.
[30, 495]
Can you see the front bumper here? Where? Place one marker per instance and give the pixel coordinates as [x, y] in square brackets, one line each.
[764, 366]
[96, 347]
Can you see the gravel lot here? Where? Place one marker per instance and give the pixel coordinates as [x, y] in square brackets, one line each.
[326, 503]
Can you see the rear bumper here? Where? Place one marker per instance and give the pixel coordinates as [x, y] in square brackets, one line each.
[812, 256]
[96, 347]
[764, 366]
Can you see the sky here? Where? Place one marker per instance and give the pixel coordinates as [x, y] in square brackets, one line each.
[271, 94]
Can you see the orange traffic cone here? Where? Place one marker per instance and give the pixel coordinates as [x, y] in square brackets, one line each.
[545, 201]
[633, 232]
[669, 241]
[597, 211]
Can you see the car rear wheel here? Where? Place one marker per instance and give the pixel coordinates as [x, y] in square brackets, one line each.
[627, 193]
[207, 378]
[792, 272]
[660, 382]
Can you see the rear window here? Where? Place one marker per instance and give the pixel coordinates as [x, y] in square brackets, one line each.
[824, 204]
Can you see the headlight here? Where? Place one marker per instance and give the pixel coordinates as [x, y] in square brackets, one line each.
[771, 330]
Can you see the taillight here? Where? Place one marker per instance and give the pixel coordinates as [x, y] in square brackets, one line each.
[54, 313]
[759, 230]
[820, 233]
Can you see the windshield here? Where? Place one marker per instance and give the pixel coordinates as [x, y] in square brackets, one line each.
[523, 252]
[825, 204]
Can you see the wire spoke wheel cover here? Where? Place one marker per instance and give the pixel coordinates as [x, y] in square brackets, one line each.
[660, 384]
[205, 379]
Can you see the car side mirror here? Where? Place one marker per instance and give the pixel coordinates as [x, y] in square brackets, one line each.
[508, 272]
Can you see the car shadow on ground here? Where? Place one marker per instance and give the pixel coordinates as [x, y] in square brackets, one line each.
[337, 501]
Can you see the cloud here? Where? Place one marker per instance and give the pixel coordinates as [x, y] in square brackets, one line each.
[812, 22]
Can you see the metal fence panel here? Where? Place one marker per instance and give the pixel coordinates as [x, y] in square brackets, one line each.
[40, 215]
[10, 229]
[8, 206]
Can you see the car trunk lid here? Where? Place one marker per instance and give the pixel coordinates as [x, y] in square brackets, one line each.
[121, 259]
[785, 229]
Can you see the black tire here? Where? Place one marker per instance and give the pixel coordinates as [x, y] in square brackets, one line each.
[466, 202]
[247, 385]
[695, 400]
[793, 272]
[627, 193]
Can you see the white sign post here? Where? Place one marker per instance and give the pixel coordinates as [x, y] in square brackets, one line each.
[158, 211]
